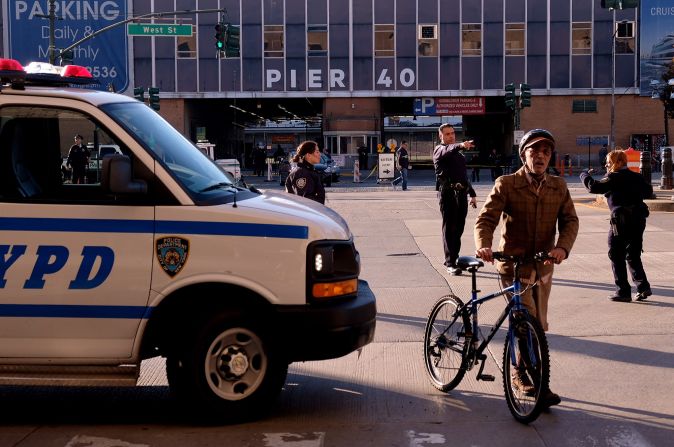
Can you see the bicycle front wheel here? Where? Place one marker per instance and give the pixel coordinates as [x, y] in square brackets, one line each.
[446, 343]
[526, 368]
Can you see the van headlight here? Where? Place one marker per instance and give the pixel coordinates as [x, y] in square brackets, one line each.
[332, 269]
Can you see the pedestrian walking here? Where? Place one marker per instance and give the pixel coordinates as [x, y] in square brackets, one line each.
[453, 188]
[402, 164]
[625, 192]
[530, 205]
[304, 180]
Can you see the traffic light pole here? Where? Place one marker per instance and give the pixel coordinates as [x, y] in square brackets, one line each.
[52, 18]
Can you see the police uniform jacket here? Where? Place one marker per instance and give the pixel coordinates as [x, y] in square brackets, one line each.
[450, 166]
[305, 181]
[622, 188]
[529, 219]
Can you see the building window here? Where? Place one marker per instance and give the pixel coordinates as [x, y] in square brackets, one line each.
[273, 41]
[317, 40]
[584, 106]
[186, 46]
[514, 39]
[581, 38]
[428, 40]
[384, 39]
[471, 39]
[624, 37]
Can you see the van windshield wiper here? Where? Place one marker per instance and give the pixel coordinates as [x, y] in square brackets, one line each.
[223, 185]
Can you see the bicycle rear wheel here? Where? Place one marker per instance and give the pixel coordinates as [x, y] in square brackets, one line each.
[526, 368]
[446, 343]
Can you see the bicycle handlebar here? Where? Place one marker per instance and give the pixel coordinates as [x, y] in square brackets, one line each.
[540, 257]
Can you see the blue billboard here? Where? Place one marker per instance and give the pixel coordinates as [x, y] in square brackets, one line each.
[106, 55]
[656, 46]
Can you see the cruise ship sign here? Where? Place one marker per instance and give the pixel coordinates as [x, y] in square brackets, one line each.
[106, 55]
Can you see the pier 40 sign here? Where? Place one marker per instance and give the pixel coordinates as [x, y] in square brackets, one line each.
[106, 55]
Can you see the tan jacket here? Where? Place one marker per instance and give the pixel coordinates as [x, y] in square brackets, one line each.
[529, 221]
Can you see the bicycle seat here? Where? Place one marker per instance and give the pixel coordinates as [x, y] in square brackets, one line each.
[468, 261]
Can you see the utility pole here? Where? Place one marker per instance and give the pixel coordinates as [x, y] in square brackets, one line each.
[52, 39]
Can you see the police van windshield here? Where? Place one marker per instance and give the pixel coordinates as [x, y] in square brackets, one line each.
[201, 178]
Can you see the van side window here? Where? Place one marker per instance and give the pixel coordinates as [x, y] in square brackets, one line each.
[53, 155]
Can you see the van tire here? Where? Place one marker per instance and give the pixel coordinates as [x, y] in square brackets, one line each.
[229, 370]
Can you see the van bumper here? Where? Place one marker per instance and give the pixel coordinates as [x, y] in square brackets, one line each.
[331, 330]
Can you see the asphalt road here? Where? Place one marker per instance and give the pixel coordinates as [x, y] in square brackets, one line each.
[612, 363]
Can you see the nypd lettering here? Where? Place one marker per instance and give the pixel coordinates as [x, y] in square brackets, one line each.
[95, 265]
[172, 253]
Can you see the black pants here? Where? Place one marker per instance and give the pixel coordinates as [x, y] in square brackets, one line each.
[627, 249]
[454, 209]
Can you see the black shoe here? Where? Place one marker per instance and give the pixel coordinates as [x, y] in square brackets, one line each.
[551, 399]
[643, 295]
[620, 298]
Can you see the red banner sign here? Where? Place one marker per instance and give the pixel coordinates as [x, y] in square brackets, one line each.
[460, 106]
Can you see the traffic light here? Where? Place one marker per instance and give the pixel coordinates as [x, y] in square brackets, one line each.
[220, 30]
[66, 57]
[232, 33]
[139, 93]
[510, 96]
[525, 95]
[153, 92]
[619, 4]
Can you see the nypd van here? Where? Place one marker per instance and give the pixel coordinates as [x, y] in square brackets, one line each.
[162, 256]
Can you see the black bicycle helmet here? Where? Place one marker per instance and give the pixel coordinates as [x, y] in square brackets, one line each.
[532, 137]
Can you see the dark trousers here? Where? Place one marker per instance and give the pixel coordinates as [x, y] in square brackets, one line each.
[454, 209]
[627, 249]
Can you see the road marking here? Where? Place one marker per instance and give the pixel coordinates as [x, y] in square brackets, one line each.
[313, 439]
[420, 439]
[93, 441]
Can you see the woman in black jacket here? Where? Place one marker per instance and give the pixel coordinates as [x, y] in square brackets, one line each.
[304, 180]
[625, 192]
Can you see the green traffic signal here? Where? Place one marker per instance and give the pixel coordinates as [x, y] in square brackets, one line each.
[619, 4]
[510, 96]
[525, 95]
[139, 93]
[232, 41]
[153, 92]
[220, 35]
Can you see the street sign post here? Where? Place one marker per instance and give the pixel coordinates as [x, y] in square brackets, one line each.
[158, 29]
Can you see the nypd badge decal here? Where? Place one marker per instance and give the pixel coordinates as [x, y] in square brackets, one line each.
[172, 252]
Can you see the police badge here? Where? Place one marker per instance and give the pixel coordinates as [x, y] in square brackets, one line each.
[172, 252]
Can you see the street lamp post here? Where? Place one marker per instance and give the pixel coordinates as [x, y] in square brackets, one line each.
[613, 36]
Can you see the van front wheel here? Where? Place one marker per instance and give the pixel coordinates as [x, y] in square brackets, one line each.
[229, 370]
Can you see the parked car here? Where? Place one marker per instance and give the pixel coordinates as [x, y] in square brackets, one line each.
[232, 167]
[329, 170]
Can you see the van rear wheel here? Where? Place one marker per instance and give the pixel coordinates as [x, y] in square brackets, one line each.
[229, 369]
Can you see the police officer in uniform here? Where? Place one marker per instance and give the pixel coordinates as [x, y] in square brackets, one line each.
[625, 192]
[78, 160]
[452, 185]
[304, 180]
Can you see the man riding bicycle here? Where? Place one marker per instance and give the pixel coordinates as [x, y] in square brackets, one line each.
[531, 205]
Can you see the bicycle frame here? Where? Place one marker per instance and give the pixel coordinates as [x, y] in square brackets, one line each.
[514, 303]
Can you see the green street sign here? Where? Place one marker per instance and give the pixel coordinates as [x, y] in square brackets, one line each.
[158, 29]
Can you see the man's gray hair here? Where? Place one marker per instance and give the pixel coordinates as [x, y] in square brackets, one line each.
[442, 126]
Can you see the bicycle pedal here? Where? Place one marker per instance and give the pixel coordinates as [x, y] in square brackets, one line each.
[482, 357]
[486, 377]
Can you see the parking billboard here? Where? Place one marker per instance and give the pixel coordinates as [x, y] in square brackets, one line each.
[106, 55]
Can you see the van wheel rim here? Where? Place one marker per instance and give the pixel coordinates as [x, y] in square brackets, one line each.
[236, 364]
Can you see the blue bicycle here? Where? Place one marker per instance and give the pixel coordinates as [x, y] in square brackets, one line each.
[452, 342]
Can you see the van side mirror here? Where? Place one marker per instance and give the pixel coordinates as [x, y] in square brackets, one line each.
[116, 176]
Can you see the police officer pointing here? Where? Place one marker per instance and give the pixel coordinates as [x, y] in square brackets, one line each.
[452, 185]
[304, 180]
[625, 192]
